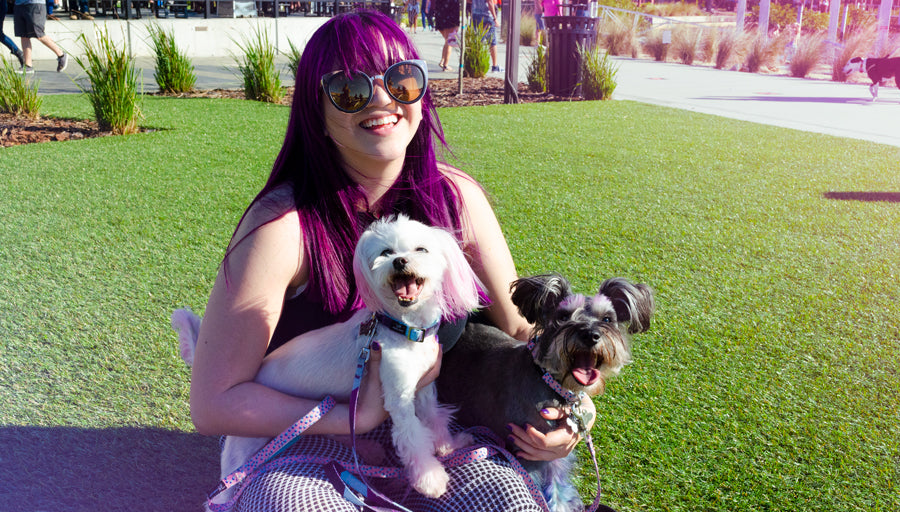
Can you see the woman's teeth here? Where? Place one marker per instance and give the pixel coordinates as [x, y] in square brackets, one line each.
[371, 123]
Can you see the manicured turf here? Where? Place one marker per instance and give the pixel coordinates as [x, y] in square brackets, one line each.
[768, 380]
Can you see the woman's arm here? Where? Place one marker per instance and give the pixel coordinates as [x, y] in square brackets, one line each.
[490, 255]
[238, 323]
[494, 265]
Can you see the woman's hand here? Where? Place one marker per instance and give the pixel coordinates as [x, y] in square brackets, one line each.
[370, 411]
[556, 444]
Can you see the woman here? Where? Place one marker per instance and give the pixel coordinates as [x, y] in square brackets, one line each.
[446, 21]
[353, 152]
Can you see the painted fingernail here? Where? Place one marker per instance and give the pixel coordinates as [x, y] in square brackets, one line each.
[545, 411]
[511, 439]
[509, 427]
[376, 345]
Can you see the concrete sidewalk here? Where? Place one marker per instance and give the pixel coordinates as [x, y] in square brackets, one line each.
[819, 106]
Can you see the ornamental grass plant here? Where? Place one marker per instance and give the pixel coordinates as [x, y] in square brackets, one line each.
[112, 84]
[811, 50]
[655, 46]
[256, 66]
[18, 95]
[686, 43]
[477, 56]
[536, 74]
[174, 71]
[293, 55]
[598, 74]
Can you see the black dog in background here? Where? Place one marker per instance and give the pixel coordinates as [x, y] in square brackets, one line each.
[579, 341]
[879, 70]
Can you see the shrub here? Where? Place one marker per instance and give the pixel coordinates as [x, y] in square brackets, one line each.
[685, 43]
[477, 57]
[293, 56]
[680, 8]
[174, 71]
[262, 82]
[809, 53]
[536, 75]
[856, 44]
[617, 36]
[598, 74]
[726, 49]
[527, 30]
[113, 84]
[654, 46]
[709, 40]
[17, 95]
[762, 53]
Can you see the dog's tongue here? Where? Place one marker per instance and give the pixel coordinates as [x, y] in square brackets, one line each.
[584, 371]
[406, 288]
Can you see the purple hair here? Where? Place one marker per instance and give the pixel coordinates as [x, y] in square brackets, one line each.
[324, 195]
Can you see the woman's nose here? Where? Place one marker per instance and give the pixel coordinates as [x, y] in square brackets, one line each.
[380, 95]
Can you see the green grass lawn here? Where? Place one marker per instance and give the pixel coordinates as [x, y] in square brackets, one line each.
[768, 381]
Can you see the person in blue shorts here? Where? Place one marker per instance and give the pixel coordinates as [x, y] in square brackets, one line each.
[484, 13]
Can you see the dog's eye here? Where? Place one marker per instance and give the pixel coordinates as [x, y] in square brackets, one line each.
[421, 249]
[387, 252]
[607, 319]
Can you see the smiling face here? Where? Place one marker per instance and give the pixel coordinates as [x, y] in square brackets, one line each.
[399, 268]
[375, 138]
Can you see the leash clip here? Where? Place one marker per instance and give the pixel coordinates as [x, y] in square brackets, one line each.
[579, 418]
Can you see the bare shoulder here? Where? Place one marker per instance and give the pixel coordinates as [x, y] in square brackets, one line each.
[276, 212]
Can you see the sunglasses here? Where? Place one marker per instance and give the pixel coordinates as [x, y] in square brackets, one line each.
[404, 81]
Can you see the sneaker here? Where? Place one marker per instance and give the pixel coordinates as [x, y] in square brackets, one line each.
[73, 16]
[27, 70]
[495, 69]
[19, 55]
[61, 62]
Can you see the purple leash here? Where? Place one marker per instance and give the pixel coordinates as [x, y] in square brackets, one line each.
[578, 419]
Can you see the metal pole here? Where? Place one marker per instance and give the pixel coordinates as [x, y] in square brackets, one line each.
[461, 40]
[511, 84]
[739, 15]
[764, 6]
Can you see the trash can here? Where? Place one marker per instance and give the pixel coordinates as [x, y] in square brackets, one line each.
[564, 35]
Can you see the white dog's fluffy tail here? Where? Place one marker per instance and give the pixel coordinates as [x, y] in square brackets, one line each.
[187, 325]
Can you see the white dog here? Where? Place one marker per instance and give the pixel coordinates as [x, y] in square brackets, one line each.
[409, 275]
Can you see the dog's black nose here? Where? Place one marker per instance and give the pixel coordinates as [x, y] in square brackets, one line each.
[400, 263]
[596, 336]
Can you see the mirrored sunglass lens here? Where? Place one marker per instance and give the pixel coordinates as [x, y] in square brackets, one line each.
[349, 93]
[406, 82]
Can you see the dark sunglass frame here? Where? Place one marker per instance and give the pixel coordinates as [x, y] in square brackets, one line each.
[328, 78]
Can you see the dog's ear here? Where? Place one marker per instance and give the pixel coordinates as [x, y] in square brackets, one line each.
[633, 302]
[536, 295]
[461, 287]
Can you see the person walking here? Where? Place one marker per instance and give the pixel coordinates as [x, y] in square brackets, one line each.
[7, 42]
[29, 18]
[446, 21]
[484, 15]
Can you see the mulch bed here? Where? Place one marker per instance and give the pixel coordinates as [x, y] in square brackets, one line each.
[476, 92]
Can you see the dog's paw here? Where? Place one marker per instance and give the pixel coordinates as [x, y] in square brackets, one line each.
[454, 443]
[430, 480]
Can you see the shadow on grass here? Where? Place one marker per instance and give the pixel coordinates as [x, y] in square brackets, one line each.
[889, 197]
[134, 469]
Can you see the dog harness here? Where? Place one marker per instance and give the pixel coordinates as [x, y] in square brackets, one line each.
[578, 418]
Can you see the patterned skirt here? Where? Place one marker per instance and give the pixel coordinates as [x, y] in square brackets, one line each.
[297, 480]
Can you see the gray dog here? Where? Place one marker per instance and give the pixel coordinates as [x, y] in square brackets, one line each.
[579, 341]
